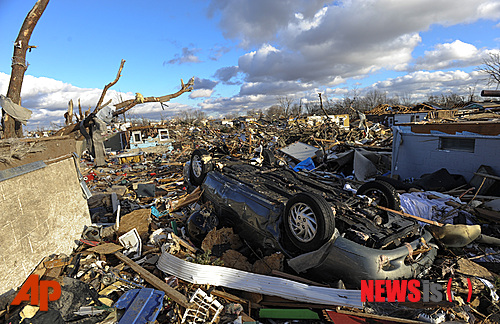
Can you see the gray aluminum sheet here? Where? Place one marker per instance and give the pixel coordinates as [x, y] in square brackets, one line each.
[257, 283]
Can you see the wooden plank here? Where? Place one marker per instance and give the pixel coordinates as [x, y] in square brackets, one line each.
[483, 128]
[155, 281]
[57, 263]
[106, 248]
[468, 197]
[169, 180]
[424, 220]
[230, 297]
[187, 200]
[138, 219]
[490, 215]
[326, 140]
[184, 243]
[487, 175]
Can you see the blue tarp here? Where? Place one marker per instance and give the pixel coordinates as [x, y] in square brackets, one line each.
[307, 164]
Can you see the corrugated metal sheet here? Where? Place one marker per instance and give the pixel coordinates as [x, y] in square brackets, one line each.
[267, 285]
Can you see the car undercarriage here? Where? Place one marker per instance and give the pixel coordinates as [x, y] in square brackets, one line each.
[274, 208]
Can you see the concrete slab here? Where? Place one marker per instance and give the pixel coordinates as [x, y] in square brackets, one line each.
[41, 213]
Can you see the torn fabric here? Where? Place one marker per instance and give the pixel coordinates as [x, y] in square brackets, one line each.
[16, 111]
[106, 114]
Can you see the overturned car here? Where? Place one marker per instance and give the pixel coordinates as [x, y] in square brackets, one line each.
[325, 231]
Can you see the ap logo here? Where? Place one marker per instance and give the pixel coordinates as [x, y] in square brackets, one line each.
[39, 292]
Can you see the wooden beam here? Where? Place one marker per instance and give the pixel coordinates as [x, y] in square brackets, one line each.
[230, 297]
[483, 128]
[155, 281]
[484, 175]
[423, 220]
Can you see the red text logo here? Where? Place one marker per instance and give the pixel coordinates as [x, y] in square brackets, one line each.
[36, 285]
[406, 290]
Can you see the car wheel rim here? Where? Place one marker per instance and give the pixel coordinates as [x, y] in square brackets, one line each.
[302, 221]
[197, 166]
[378, 196]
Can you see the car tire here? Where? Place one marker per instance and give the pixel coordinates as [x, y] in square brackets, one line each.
[384, 194]
[309, 221]
[199, 166]
[269, 159]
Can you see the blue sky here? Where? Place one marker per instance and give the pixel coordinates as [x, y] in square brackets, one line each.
[245, 53]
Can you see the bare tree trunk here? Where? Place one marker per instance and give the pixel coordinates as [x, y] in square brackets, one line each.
[68, 116]
[11, 127]
[321, 105]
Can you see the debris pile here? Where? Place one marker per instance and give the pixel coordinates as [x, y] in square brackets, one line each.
[156, 248]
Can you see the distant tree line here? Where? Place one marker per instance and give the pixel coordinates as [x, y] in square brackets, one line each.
[286, 106]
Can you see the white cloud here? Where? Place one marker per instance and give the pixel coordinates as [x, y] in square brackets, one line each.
[320, 42]
[450, 55]
[422, 84]
[201, 93]
[489, 10]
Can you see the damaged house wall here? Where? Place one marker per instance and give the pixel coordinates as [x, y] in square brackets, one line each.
[409, 118]
[145, 136]
[415, 154]
[43, 212]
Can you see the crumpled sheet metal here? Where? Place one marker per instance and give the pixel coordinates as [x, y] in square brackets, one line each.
[456, 235]
[363, 167]
[267, 285]
[16, 111]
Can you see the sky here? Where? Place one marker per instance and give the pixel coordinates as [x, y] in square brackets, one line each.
[244, 54]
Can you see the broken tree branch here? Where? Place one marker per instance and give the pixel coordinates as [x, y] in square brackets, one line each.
[80, 110]
[126, 105]
[155, 281]
[123, 106]
[107, 103]
[69, 114]
[109, 85]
